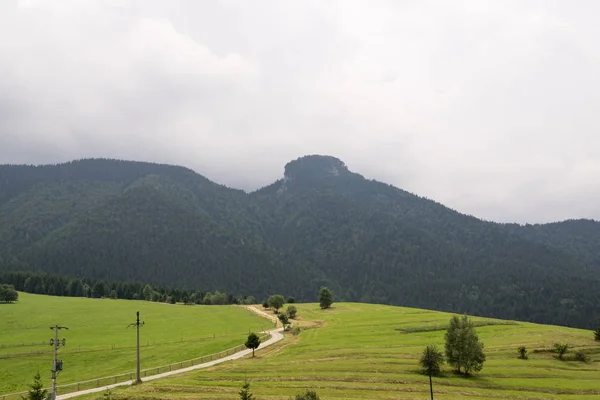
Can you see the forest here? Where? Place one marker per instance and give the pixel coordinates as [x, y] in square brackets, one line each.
[320, 225]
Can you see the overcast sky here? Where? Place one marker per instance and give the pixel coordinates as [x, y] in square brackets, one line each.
[490, 107]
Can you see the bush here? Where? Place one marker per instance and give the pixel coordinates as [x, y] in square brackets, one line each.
[290, 300]
[561, 349]
[581, 356]
[308, 395]
[523, 353]
[265, 304]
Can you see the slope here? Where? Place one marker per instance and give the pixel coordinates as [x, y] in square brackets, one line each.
[158, 223]
[364, 351]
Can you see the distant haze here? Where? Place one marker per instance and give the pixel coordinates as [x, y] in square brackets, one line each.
[489, 107]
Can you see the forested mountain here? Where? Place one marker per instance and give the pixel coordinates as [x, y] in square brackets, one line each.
[320, 225]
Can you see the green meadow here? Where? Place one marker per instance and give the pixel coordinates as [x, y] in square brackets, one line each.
[98, 342]
[362, 351]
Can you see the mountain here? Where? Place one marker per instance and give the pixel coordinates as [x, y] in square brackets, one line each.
[321, 224]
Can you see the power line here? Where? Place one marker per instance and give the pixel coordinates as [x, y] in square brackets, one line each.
[137, 324]
[57, 365]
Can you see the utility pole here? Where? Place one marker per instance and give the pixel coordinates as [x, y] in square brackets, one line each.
[57, 365]
[137, 324]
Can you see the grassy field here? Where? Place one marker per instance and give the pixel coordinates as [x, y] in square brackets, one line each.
[361, 351]
[98, 343]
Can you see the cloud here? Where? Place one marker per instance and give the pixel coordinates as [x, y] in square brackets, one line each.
[488, 107]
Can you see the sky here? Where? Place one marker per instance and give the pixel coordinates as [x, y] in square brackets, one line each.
[489, 107]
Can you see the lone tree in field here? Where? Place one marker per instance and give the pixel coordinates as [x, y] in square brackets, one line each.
[291, 311]
[561, 349]
[431, 360]
[252, 342]
[245, 392]
[463, 349]
[36, 391]
[276, 301]
[325, 297]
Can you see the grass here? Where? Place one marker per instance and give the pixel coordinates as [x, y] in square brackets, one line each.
[362, 351]
[98, 343]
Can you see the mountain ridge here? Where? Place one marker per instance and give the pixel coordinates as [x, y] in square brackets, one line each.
[320, 224]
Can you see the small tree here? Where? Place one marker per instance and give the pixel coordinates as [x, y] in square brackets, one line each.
[265, 304]
[291, 311]
[597, 331]
[245, 392]
[252, 342]
[325, 297]
[36, 391]
[522, 352]
[290, 300]
[284, 320]
[276, 301]
[431, 360]
[463, 349]
[561, 349]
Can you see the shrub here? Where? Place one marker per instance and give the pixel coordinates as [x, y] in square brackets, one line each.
[523, 353]
[308, 395]
[296, 330]
[561, 349]
[581, 356]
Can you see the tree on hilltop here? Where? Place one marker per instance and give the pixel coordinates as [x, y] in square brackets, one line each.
[325, 297]
[276, 301]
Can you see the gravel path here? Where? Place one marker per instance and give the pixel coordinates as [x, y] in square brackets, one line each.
[276, 336]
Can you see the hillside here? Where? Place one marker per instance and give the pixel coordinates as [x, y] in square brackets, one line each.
[98, 344]
[365, 351]
[320, 225]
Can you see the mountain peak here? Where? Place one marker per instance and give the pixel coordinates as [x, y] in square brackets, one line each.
[314, 166]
